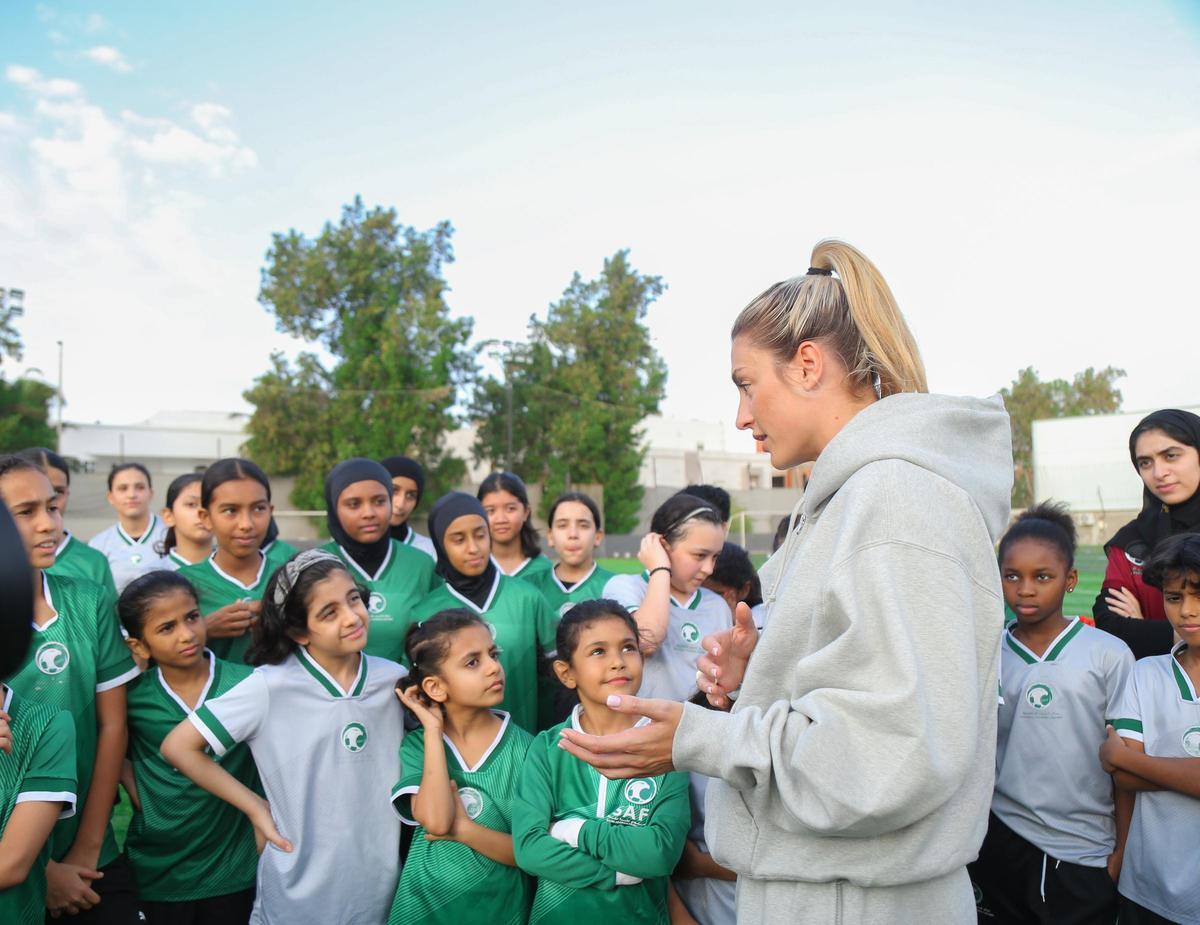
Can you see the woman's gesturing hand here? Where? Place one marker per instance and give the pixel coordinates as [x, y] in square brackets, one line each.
[726, 655]
[642, 751]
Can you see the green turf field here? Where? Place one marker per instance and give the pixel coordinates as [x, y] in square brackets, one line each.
[1089, 561]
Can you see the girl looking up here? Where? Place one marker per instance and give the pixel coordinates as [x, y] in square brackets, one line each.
[130, 543]
[72, 556]
[321, 721]
[515, 544]
[193, 855]
[575, 534]
[519, 617]
[1165, 450]
[78, 663]
[358, 505]
[1055, 837]
[602, 850]
[188, 539]
[408, 485]
[459, 773]
[672, 608]
[235, 503]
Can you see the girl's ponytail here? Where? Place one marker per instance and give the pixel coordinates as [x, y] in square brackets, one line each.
[853, 312]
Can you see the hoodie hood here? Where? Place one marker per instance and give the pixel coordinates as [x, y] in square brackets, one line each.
[967, 441]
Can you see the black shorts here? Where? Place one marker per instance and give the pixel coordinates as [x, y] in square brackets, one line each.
[118, 899]
[1016, 883]
[230, 909]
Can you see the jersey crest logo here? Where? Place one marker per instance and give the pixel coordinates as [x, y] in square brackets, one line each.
[136, 558]
[376, 603]
[1191, 741]
[52, 658]
[562, 611]
[690, 633]
[1039, 696]
[472, 801]
[640, 792]
[354, 737]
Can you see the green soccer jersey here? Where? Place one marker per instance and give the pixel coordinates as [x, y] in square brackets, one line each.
[560, 597]
[446, 881]
[403, 580]
[523, 627]
[71, 659]
[77, 559]
[613, 844]
[529, 568]
[215, 590]
[277, 553]
[41, 769]
[184, 843]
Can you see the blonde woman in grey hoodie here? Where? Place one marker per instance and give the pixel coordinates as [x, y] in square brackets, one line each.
[854, 772]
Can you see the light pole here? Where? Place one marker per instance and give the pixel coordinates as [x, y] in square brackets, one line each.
[59, 428]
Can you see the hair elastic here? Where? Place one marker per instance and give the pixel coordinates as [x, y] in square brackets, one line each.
[819, 271]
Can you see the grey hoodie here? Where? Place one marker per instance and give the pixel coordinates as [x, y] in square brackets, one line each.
[862, 744]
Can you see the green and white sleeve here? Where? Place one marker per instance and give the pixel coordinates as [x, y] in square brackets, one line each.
[537, 851]
[235, 716]
[646, 851]
[50, 776]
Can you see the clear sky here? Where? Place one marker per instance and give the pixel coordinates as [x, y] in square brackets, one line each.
[1026, 175]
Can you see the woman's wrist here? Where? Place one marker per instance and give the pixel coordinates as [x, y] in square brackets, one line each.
[659, 568]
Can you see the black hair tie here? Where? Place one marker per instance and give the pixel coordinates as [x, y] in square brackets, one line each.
[818, 271]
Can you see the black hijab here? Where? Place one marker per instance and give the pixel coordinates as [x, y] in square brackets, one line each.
[447, 509]
[405, 468]
[369, 556]
[1157, 521]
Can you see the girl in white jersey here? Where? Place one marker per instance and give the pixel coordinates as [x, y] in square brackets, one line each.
[673, 611]
[130, 543]
[1153, 750]
[322, 722]
[189, 539]
[1055, 836]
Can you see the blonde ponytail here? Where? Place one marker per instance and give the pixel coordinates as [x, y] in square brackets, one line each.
[853, 313]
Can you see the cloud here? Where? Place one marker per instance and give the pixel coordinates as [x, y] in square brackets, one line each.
[7, 121]
[109, 57]
[31, 79]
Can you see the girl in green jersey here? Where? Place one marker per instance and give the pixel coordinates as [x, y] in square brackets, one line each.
[602, 850]
[458, 776]
[515, 546]
[193, 855]
[235, 503]
[358, 508]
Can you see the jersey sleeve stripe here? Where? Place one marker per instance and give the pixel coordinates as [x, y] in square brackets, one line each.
[210, 727]
[119, 680]
[51, 796]
[399, 792]
[1128, 728]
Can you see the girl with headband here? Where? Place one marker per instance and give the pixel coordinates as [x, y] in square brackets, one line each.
[322, 723]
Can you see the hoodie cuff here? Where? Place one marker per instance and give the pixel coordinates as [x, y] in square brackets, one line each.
[701, 740]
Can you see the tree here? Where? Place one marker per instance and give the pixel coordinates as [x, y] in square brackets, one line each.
[579, 390]
[1028, 399]
[24, 402]
[370, 292]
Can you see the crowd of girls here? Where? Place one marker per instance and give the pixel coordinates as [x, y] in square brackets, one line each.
[255, 710]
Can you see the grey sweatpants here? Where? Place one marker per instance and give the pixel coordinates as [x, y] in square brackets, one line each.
[946, 900]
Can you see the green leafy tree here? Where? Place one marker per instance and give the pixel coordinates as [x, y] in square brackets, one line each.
[370, 292]
[1028, 399]
[24, 402]
[580, 388]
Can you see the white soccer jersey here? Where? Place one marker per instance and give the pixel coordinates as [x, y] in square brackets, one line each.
[327, 759]
[423, 543]
[670, 672]
[129, 558]
[1050, 787]
[1161, 710]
